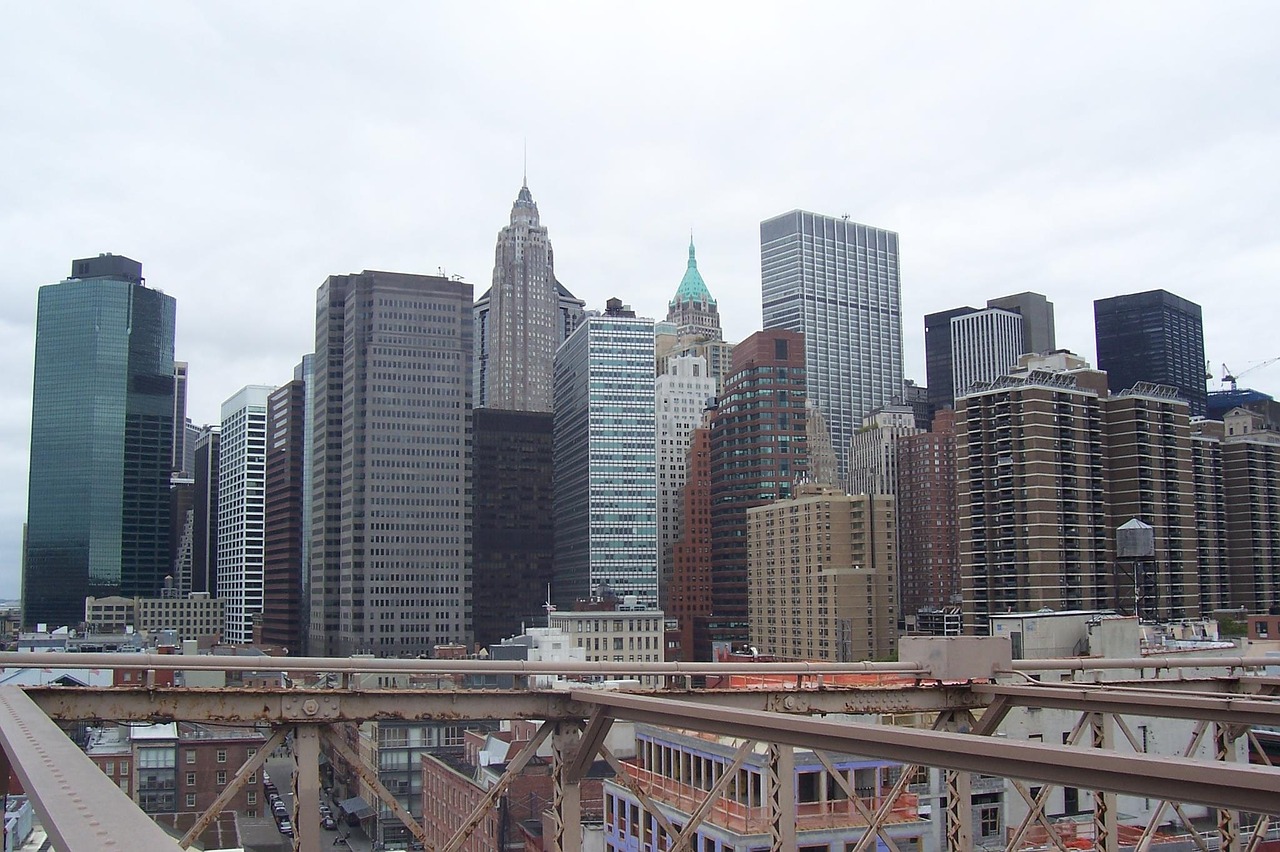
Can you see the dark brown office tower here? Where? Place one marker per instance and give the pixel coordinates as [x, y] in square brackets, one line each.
[758, 453]
[689, 592]
[928, 546]
[204, 525]
[513, 525]
[1251, 471]
[282, 604]
[390, 559]
[1209, 492]
[1149, 473]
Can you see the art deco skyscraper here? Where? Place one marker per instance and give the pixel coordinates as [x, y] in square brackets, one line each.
[391, 482]
[836, 282]
[523, 318]
[98, 519]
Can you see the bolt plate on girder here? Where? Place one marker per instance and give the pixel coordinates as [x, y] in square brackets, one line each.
[309, 707]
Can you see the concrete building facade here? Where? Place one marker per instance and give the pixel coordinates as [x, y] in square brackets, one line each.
[823, 577]
[682, 392]
[391, 482]
[758, 454]
[928, 540]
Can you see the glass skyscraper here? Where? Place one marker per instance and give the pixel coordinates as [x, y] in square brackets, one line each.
[1154, 337]
[101, 441]
[836, 282]
[605, 500]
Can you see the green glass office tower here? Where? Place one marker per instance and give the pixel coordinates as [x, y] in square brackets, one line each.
[101, 441]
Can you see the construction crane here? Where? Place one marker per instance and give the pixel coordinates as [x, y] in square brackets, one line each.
[1228, 376]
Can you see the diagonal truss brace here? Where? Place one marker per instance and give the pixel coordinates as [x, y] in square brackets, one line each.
[229, 792]
[482, 808]
[371, 778]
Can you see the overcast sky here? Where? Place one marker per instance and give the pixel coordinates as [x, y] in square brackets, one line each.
[244, 151]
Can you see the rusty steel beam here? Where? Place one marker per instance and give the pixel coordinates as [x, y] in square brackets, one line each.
[1244, 787]
[386, 665]
[289, 706]
[80, 808]
[1104, 698]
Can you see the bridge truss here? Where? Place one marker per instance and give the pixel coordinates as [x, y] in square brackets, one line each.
[793, 706]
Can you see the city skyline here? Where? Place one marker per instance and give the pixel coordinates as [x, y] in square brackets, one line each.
[1076, 177]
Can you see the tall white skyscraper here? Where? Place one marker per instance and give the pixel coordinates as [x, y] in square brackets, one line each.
[682, 392]
[522, 319]
[605, 501]
[836, 282]
[985, 345]
[242, 476]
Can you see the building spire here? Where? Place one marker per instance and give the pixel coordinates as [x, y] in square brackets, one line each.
[525, 176]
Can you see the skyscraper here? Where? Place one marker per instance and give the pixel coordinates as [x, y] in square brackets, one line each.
[513, 528]
[758, 454]
[836, 282]
[522, 319]
[1038, 334]
[204, 527]
[985, 345]
[959, 347]
[873, 453]
[823, 576]
[98, 516]
[287, 502]
[692, 309]
[928, 550]
[605, 478]
[1153, 337]
[391, 480]
[241, 509]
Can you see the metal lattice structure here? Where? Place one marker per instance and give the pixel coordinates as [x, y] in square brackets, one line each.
[793, 706]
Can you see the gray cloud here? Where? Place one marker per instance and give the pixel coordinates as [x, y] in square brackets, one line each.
[243, 151]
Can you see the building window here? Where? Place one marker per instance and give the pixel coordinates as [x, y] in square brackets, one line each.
[251, 798]
[222, 777]
[1262, 629]
[989, 821]
[191, 800]
[191, 779]
[124, 767]
[191, 755]
[109, 767]
[222, 755]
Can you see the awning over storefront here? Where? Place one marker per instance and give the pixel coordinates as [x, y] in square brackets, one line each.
[356, 807]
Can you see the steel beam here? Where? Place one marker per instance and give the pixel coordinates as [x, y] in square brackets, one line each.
[287, 706]
[485, 805]
[370, 777]
[566, 792]
[780, 784]
[306, 788]
[81, 808]
[387, 665]
[1244, 787]
[1165, 704]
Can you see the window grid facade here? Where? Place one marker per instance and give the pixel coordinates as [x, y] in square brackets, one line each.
[836, 282]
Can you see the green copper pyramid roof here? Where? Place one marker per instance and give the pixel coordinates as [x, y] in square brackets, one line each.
[692, 288]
